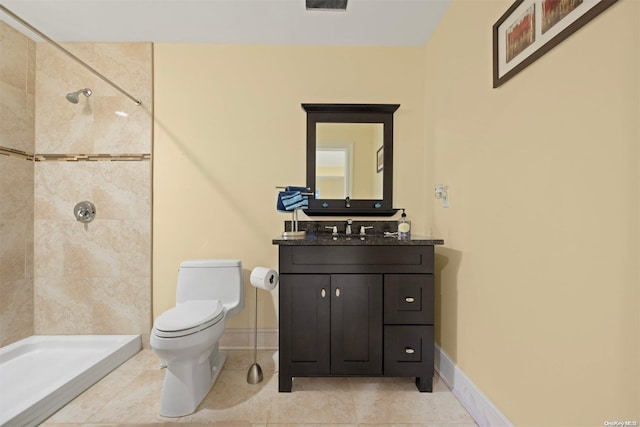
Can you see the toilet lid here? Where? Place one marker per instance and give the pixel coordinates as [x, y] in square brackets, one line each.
[190, 315]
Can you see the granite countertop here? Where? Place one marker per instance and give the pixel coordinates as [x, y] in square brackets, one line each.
[318, 234]
[325, 239]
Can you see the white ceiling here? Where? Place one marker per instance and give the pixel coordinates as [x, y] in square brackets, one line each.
[364, 23]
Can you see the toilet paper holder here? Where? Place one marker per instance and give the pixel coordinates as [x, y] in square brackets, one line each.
[267, 279]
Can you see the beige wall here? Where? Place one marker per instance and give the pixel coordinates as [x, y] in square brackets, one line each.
[229, 128]
[17, 106]
[538, 296]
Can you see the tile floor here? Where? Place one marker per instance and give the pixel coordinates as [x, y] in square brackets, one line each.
[130, 396]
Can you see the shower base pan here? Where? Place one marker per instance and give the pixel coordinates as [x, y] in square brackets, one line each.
[42, 373]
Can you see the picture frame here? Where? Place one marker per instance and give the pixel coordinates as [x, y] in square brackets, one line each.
[380, 159]
[531, 28]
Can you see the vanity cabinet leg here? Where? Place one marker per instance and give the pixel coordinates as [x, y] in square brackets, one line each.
[424, 384]
[284, 383]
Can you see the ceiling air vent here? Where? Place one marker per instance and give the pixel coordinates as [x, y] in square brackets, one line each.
[326, 4]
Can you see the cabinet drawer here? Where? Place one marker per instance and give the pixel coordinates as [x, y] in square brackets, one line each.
[408, 299]
[356, 259]
[408, 350]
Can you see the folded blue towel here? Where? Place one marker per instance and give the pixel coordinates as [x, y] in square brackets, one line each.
[300, 189]
[292, 198]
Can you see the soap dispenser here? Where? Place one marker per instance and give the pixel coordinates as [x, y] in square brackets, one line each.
[404, 225]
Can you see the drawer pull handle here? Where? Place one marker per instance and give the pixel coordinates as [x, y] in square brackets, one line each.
[323, 293]
[409, 299]
[337, 292]
[409, 350]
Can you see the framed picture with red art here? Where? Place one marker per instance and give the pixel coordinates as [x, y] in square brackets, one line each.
[530, 28]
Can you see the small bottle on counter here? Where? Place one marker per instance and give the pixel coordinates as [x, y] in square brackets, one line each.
[404, 225]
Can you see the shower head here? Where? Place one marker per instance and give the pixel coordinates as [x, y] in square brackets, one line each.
[74, 97]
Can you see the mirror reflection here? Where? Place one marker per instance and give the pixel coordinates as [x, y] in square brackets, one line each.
[347, 161]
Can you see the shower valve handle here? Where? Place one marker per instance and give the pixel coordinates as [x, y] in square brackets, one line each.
[85, 212]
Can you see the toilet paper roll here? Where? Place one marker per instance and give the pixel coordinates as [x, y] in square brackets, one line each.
[264, 278]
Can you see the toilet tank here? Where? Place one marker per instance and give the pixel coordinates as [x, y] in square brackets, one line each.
[212, 279]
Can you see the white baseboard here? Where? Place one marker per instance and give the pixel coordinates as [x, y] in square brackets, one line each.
[243, 339]
[479, 406]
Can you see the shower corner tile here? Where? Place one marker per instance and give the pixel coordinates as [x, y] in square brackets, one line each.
[16, 307]
[14, 51]
[121, 305]
[61, 306]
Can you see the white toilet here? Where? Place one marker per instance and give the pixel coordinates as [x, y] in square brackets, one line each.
[186, 336]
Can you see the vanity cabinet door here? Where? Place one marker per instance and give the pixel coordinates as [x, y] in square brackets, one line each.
[330, 325]
[305, 319]
[356, 324]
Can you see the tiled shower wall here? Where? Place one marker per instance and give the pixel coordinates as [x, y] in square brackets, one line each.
[17, 125]
[93, 278]
[86, 278]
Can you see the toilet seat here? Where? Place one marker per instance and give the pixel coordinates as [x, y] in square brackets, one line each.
[188, 318]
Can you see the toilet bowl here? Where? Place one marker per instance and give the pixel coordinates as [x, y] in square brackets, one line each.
[185, 338]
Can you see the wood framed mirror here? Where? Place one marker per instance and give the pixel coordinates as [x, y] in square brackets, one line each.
[350, 159]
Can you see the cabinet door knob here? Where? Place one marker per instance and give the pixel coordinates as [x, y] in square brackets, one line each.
[337, 292]
[409, 350]
[409, 299]
[323, 293]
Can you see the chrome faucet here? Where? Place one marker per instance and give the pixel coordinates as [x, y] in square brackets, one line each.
[334, 230]
[347, 230]
[363, 230]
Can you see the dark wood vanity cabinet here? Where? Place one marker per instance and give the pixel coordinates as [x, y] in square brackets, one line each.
[356, 311]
